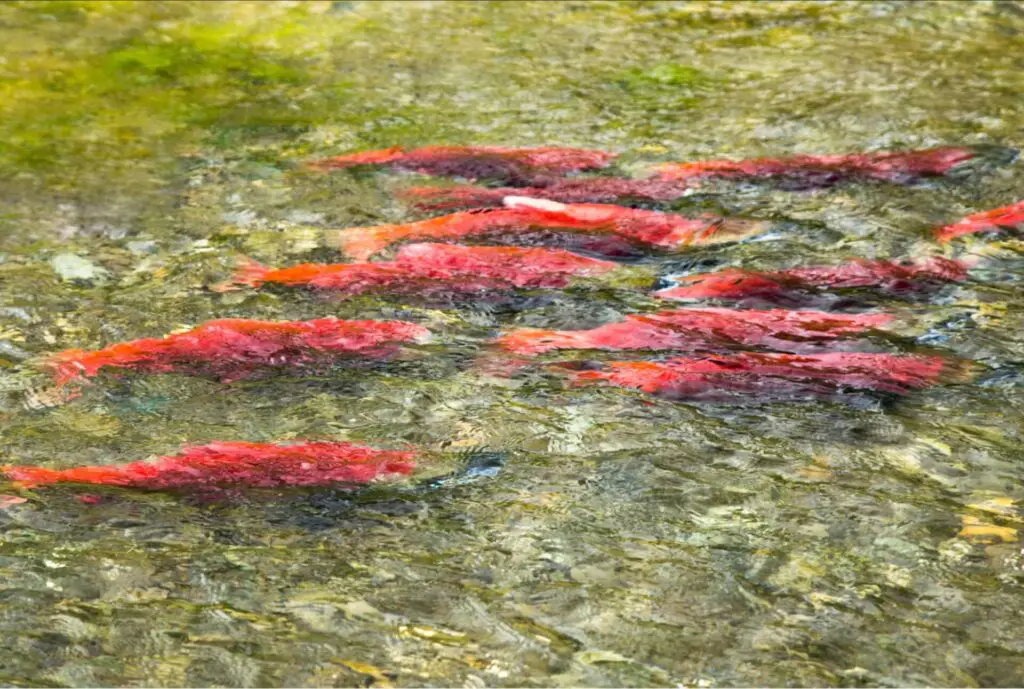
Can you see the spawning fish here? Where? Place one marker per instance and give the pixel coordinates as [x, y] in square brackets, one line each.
[591, 190]
[771, 376]
[1006, 218]
[231, 348]
[699, 328]
[235, 464]
[512, 165]
[662, 230]
[892, 276]
[676, 180]
[900, 167]
[420, 266]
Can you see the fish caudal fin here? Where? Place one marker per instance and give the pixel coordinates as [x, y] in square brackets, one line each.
[250, 273]
[360, 243]
[31, 476]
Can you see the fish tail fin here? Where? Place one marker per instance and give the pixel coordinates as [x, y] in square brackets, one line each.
[360, 243]
[31, 476]
[68, 365]
[250, 273]
[531, 341]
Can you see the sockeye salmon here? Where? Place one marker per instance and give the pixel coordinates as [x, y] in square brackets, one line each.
[235, 464]
[754, 376]
[419, 267]
[891, 276]
[1006, 218]
[661, 230]
[517, 166]
[233, 348]
[692, 329]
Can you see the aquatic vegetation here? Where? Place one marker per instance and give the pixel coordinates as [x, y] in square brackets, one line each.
[700, 329]
[896, 277]
[661, 230]
[521, 166]
[235, 464]
[419, 267]
[999, 219]
[233, 348]
[753, 376]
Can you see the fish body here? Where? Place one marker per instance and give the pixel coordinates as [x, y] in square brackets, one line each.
[662, 230]
[512, 165]
[232, 348]
[591, 190]
[235, 464]
[759, 376]
[1006, 218]
[453, 267]
[699, 328]
[891, 276]
[676, 180]
[899, 167]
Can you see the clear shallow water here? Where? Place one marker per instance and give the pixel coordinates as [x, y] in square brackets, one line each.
[627, 541]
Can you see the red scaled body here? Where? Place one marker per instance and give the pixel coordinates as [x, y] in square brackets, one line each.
[426, 266]
[662, 230]
[235, 464]
[753, 376]
[1006, 218]
[900, 167]
[700, 328]
[893, 276]
[232, 348]
[512, 165]
[592, 190]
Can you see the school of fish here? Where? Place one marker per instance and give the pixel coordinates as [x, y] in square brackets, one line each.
[553, 199]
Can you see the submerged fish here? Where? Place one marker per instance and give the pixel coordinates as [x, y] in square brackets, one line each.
[1006, 218]
[511, 165]
[232, 348]
[591, 190]
[235, 464]
[424, 266]
[675, 180]
[759, 377]
[890, 276]
[662, 230]
[900, 167]
[700, 328]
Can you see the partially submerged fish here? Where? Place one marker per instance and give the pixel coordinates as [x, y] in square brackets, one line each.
[425, 266]
[512, 165]
[754, 376]
[235, 464]
[232, 348]
[891, 276]
[1006, 218]
[661, 230]
[899, 167]
[700, 329]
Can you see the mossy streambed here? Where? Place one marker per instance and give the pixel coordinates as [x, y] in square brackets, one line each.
[626, 540]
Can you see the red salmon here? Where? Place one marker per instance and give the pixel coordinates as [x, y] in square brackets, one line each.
[900, 167]
[230, 349]
[662, 230]
[235, 464]
[700, 328]
[893, 276]
[512, 165]
[1006, 218]
[420, 266]
[771, 376]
